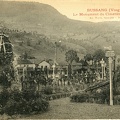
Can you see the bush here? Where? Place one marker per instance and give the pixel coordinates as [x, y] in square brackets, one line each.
[13, 107]
[57, 89]
[48, 90]
[65, 89]
[79, 97]
[4, 96]
[16, 95]
[28, 95]
[101, 97]
[39, 105]
[10, 107]
[22, 103]
[117, 99]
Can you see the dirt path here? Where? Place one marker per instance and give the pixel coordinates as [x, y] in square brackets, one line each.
[64, 109]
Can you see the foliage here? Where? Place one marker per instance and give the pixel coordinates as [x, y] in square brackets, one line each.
[102, 96]
[117, 99]
[99, 54]
[95, 96]
[83, 62]
[27, 102]
[4, 96]
[25, 107]
[71, 55]
[117, 74]
[48, 90]
[42, 80]
[88, 57]
[66, 89]
[5, 81]
[79, 97]
[39, 105]
[56, 89]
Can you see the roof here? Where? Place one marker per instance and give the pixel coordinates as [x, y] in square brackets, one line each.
[38, 61]
[59, 63]
[25, 61]
[51, 62]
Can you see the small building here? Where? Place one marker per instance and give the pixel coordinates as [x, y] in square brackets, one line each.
[44, 64]
[25, 63]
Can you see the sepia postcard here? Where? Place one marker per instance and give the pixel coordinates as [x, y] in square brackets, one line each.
[59, 59]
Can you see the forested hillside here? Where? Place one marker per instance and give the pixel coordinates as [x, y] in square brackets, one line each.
[39, 26]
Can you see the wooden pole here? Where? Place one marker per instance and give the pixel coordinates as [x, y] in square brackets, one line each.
[111, 82]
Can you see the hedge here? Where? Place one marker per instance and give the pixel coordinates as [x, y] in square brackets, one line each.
[79, 97]
[95, 97]
[56, 96]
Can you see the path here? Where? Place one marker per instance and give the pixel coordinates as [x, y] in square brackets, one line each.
[64, 109]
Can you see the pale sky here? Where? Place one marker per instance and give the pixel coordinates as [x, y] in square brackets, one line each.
[72, 8]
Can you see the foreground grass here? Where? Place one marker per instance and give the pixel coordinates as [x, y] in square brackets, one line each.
[64, 109]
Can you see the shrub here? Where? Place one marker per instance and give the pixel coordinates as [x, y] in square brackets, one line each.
[102, 97]
[73, 97]
[11, 107]
[99, 97]
[79, 97]
[28, 95]
[38, 105]
[57, 89]
[16, 95]
[48, 90]
[65, 89]
[117, 99]
[4, 96]
[24, 107]
[22, 103]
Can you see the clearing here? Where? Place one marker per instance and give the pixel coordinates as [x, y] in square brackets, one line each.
[64, 109]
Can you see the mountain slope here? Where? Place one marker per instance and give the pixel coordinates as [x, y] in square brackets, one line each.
[32, 17]
[39, 17]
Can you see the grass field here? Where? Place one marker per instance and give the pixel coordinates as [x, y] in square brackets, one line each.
[64, 109]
